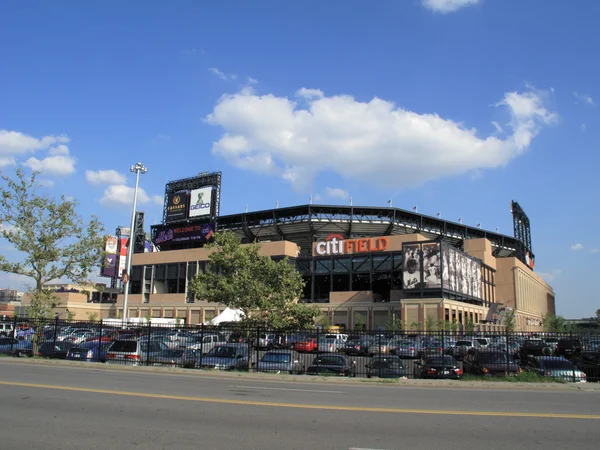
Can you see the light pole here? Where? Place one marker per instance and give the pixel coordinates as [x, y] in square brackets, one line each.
[138, 168]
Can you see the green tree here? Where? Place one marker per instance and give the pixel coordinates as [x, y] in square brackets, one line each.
[553, 323]
[469, 325]
[53, 239]
[92, 316]
[359, 321]
[70, 315]
[509, 321]
[430, 323]
[265, 290]
[324, 321]
[394, 323]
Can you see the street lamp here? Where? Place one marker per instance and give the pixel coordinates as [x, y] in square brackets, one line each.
[138, 168]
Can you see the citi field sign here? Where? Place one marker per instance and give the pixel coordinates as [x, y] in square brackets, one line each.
[335, 244]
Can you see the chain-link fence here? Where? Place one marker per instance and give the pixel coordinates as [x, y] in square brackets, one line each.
[572, 357]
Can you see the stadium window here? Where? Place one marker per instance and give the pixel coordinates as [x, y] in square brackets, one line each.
[136, 280]
[322, 288]
[341, 283]
[307, 289]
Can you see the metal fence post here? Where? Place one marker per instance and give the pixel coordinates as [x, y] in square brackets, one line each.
[508, 355]
[14, 327]
[573, 355]
[148, 342]
[257, 350]
[55, 335]
[201, 344]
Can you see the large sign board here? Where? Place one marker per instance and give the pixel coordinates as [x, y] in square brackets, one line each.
[177, 206]
[335, 244]
[433, 266]
[184, 233]
[200, 202]
[109, 267]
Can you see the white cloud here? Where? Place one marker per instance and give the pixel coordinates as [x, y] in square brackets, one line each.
[337, 193]
[370, 142]
[162, 137]
[595, 250]
[223, 75]
[447, 6]
[60, 165]
[550, 276]
[119, 195]
[252, 80]
[583, 127]
[584, 98]
[576, 247]
[15, 142]
[310, 93]
[158, 200]
[104, 177]
[59, 150]
[46, 183]
[6, 161]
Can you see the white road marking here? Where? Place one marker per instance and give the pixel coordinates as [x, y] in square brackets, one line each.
[288, 389]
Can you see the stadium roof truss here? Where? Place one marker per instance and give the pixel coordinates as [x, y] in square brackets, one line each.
[306, 224]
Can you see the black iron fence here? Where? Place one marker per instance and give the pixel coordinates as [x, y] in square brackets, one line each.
[376, 353]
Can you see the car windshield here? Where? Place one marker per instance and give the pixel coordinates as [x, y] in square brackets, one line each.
[442, 360]
[557, 364]
[493, 358]
[124, 346]
[330, 361]
[534, 344]
[277, 358]
[223, 352]
[464, 344]
[386, 363]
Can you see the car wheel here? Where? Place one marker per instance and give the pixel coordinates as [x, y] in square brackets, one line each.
[18, 354]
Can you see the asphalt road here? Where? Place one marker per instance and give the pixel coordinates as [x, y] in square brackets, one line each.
[77, 407]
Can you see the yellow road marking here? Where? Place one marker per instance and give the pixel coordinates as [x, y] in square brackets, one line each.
[304, 406]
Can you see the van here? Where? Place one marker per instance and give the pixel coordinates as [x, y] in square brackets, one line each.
[6, 329]
[133, 352]
[343, 337]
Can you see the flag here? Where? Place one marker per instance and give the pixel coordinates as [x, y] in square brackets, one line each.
[439, 214]
[389, 202]
[459, 220]
[414, 208]
[478, 225]
[207, 232]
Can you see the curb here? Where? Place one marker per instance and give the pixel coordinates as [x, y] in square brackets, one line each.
[285, 378]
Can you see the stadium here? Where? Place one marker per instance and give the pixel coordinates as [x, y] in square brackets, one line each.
[360, 264]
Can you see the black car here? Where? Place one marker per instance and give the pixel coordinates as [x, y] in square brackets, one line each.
[589, 362]
[385, 366]
[58, 350]
[440, 366]
[568, 347]
[532, 347]
[489, 362]
[332, 364]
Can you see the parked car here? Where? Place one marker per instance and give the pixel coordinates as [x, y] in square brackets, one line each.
[405, 349]
[433, 348]
[79, 336]
[58, 350]
[532, 347]
[439, 366]
[568, 347]
[385, 366]
[6, 329]
[461, 348]
[226, 357]
[306, 345]
[15, 347]
[489, 362]
[265, 341]
[89, 352]
[381, 346]
[330, 345]
[332, 364]
[551, 343]
[205, 342]
[556, 367]
[589, 363]
[134, 352]
[287, 361]
[355, 346]
[169, 357]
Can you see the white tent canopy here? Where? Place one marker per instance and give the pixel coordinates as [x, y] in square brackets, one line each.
[228, 315]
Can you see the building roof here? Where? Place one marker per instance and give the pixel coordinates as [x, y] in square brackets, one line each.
[306, 224]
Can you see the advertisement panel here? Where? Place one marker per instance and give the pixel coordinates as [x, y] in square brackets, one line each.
[123, 246]
[432, 271]
[110, 266]
[445, 268]
[177, 206]
[200, 202]
[411, 275]
[110, 246]
[187, 233]
[122, 265]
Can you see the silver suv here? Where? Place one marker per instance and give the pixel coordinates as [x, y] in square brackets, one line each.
[134, 352]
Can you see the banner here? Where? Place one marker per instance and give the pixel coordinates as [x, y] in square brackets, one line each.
[110, 246]
[109, 266]
[187, 233]
[432, 266]
[411, 275]
[200, 202]
[177, 206]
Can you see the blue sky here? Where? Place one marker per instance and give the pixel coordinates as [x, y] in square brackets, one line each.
[457, 106]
